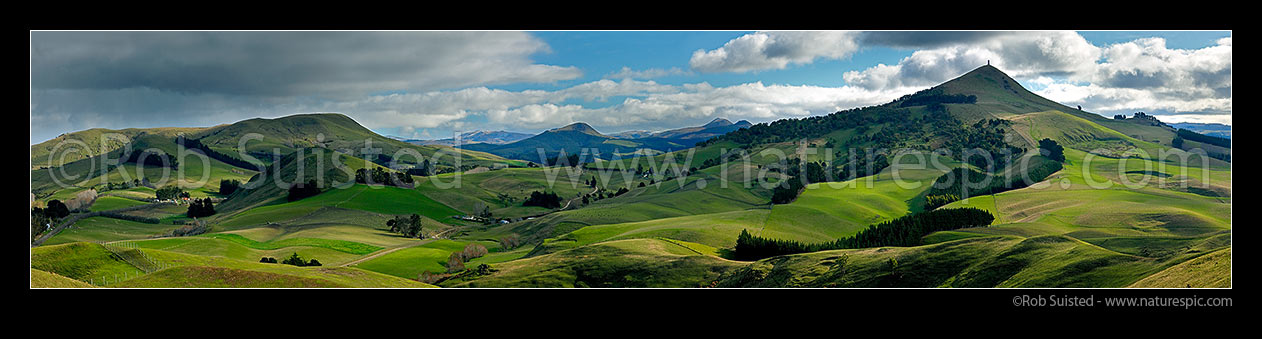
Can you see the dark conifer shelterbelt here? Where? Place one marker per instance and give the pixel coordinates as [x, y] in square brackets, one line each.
[904, 231]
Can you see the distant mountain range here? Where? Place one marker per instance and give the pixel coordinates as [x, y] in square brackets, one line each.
[573, 138]
[475, 137]
[1218, 130]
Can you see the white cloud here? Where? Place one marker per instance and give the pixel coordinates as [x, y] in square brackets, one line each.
[1145, 75]
[1096, 98]
[1147, 63]
[628, 73]
[647, 105]
[1020, 54]
[1224, 119]
[775, 50]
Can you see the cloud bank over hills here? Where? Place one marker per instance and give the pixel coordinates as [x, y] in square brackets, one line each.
[415, 82]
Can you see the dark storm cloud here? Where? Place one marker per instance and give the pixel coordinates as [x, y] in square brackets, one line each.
[924, 39]
[285, 63]
[82, 80]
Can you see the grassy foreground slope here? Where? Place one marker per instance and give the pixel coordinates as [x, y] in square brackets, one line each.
[1211, 270]
[108, 229]
[209, 276]
[89, 261]
[81, 261]
[1047, 261]
[325, 250]
[41, 279]
[621, 263]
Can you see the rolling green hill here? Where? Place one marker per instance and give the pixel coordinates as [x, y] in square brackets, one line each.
[266, 138]
[93, 142]
[1107, 218]
[91, 262]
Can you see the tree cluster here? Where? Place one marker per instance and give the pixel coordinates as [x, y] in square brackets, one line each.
[153, 158]
[934, 96]
[543, 199]
[228, 186]
[859, 163]
[982, 144]
[1053, 150]
[295, 260]
[1207, 139]
[55, 209]
[42, 218]
[409, 226]
[299, 190]
[201, 208]
[510, 241]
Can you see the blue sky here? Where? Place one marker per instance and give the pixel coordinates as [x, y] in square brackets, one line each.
[434, 84]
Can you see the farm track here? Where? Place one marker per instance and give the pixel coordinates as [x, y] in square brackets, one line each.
[385, 251]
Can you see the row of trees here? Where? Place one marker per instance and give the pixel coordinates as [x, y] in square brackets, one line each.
[381, 176]
[170, 192]
[572, 160]
[109, 186]
[934, 96]
[903, 231]
[197, 146]
[293, 259]
[153, 158]
[1201, 138]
